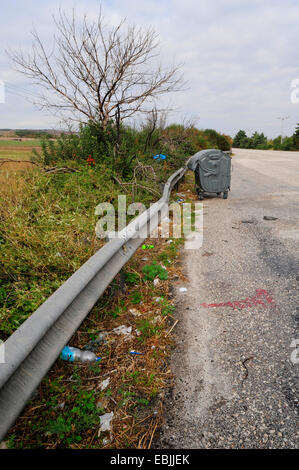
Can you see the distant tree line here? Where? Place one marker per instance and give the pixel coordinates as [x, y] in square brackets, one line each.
[33, 134]
[260, 141]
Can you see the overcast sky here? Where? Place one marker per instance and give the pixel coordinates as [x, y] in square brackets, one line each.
[240, 57]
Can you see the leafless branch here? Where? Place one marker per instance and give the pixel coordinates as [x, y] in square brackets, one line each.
[97, 72]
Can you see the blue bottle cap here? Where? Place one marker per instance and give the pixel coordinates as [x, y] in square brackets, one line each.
[67, 354]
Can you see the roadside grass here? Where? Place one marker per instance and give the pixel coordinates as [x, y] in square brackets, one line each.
[47, 233]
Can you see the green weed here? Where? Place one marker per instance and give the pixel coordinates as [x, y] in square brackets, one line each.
[151, 271]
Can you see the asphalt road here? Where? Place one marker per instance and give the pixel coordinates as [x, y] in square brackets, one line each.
[236, 385]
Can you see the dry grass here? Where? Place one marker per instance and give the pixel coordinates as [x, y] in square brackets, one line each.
[16, 165]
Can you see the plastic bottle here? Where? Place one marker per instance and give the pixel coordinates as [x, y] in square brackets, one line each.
[76, 355]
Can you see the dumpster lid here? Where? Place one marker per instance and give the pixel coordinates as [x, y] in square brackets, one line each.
[193, 161]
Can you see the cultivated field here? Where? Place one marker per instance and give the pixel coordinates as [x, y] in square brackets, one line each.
[17, 150]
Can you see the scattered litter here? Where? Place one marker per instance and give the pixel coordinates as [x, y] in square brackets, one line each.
[106, 441]
[169, 241]
[157, 299]
[156, 320]
[60, 406]
[135, 353]
[123, 330]
[183, 289]
[102, 337]
[159, 156]
[94, 344]
[135, 312]
[106, 422]
[148, 247]
[76, 355]
[138, 332]
[153, 347]
[180, 200]
[104, 384]
[144, 259]
[156, 282]
[269, 217]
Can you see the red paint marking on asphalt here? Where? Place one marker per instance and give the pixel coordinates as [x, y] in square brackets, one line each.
[262, 297]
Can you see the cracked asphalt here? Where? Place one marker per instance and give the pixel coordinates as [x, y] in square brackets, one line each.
[236, 386]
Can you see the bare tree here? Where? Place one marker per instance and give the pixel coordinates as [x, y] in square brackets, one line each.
[97, 72]
[150, 126]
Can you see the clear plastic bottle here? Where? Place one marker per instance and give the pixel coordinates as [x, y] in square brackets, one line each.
[76, 355]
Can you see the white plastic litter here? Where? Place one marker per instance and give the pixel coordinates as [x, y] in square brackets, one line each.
[135, 312]
[156, 282]
[123, 330]
[106, 422]
[104, 384]
[102, 336]
[60, 406]
[183, 289]
[169, 241]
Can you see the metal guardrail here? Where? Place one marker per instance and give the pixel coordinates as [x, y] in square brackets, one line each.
[32, 349]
